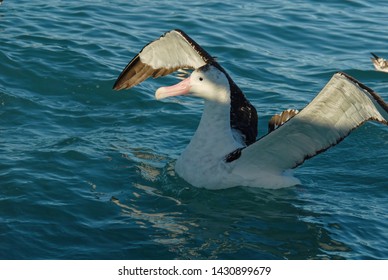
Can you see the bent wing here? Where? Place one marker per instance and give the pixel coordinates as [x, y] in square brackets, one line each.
[172, 51]
[341, 106]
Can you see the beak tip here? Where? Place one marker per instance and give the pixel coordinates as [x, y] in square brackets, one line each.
[159, 93]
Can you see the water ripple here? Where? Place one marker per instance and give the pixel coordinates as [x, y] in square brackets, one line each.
[87, 172]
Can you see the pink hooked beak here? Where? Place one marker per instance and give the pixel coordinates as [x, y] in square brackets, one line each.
[179, 89]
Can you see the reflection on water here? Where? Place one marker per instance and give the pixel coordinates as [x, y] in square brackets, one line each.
[166, 221]
[167, 212]
[200, 224]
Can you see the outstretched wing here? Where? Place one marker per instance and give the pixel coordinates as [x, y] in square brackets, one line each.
[176, 50]
[172, 51]
[341, 106]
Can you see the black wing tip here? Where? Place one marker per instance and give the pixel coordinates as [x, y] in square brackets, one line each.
[370, 91]
[121, 80]
[116, 85]
[374, 55]
[355, 81]
[179, 31]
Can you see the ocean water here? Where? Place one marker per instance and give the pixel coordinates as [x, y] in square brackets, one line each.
[87, 172]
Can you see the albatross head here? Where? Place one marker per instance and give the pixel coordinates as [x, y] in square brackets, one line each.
[207, 82]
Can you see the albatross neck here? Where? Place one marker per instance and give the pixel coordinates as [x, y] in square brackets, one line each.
[214, 131]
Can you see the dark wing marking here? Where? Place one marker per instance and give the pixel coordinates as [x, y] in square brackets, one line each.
[343, 105]
[243, 115]
[172, 51]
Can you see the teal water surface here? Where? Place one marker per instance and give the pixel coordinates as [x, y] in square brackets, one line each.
[87, 173]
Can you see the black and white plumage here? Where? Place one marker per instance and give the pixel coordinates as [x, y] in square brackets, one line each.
[379, 63]
[224, 151]
[176, 50]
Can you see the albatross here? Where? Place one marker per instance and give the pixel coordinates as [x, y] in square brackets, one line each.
[224, 151]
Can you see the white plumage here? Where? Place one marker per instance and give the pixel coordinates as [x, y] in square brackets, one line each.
[216, 156]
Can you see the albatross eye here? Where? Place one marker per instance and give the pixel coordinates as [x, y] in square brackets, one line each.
[201, 79]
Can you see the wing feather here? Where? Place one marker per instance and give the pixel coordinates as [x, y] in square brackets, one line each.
[379, 63]
[343, 105]
[172, 51]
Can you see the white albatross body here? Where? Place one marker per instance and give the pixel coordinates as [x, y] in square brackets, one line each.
[221, 154]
